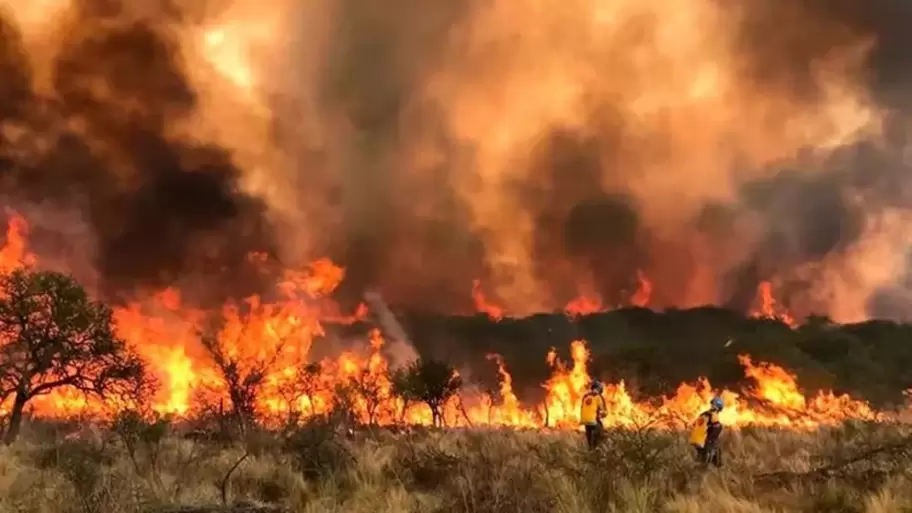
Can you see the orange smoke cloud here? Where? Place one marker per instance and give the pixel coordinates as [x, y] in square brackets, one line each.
[656, 94]
[576, 156]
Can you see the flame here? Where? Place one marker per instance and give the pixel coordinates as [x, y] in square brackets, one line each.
[644, 290]
[767, 306]
[584, 305]
[14, 252]
[221, 49]
[277, 337]
[509, 412]
[482, 304]
[565, 387]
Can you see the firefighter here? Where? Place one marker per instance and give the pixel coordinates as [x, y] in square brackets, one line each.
[704, 436]
[591, 412]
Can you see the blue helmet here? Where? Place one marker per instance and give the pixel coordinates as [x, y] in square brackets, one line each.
[716, 403]
[596, 386]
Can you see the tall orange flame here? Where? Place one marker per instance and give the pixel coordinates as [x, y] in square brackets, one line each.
[767, 306]
[482, 304]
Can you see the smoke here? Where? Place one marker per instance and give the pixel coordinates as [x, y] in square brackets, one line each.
[100, 142]
[401, 349]
[544, 148]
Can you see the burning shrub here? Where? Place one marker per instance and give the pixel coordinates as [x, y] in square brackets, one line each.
[299, 393]
[241, 378]
[429, 381]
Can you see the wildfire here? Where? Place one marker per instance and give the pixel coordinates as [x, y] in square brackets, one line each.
[482, 304]
[590, 304]
[584, 305]
[276, 336]
[767, 306]
[14, 252]
[644, 290]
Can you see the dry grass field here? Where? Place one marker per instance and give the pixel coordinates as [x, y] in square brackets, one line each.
[854, 468]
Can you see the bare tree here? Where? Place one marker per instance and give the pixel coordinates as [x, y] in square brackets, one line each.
[242, 376]
[430, 381]
[307, 383]
[402, 387]
[372, 387]
[343, 407]
[52, 336]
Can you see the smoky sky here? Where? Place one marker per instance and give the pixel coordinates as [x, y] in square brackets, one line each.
[584, 228]
[162, 207]
[158, 207]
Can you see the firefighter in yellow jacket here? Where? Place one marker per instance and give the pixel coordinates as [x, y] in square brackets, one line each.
[704, 436]
[592, 410]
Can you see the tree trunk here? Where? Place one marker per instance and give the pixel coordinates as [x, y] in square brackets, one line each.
[15, 420]
[435, 416]
[372, 407]
[405, 405]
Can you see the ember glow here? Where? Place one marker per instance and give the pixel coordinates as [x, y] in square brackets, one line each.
[283, 331]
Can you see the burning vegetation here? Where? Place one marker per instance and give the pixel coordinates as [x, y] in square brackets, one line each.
[256, 360]
[284, 213]
[186, 162]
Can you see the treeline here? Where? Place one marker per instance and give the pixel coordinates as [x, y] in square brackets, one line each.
[655, 351]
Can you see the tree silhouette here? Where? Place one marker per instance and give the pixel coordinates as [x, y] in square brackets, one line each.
[431, 381]
[371, 386]
[243, 376]
[307, 383]
[52, 336]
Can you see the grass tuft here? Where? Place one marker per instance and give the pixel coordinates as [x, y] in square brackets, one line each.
[854, 469]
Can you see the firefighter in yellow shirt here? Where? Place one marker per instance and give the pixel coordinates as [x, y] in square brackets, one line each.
[591, 412]
[704, 436]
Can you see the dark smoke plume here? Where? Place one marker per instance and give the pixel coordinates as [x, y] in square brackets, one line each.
[159, 206]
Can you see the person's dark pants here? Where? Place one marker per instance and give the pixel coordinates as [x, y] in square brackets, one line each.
[709, 455]
[593, 435]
